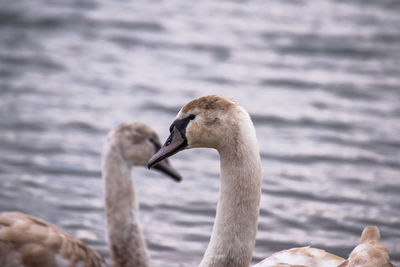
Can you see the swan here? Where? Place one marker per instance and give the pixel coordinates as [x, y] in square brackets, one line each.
[370, 252]
[219, 123]
[29, 241]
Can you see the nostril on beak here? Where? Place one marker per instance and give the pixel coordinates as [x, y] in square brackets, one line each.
[168, 141]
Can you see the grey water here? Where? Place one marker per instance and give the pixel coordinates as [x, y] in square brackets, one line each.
[321, 80]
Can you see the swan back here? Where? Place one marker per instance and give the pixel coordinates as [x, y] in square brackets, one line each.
[370, 252]
[303, 256]
[29, 241]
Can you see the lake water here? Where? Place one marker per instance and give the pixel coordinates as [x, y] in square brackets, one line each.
[321, 80]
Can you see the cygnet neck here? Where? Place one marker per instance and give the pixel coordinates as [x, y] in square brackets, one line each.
[126, 243]
[235, 226]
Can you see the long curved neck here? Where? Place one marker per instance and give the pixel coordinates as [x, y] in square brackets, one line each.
[235, 226]
[126, 243]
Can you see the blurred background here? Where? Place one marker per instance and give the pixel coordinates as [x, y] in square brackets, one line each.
[321, 80]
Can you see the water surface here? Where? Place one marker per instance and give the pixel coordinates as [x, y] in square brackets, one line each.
[321, 80]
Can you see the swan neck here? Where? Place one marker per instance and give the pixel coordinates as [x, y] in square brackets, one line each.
[126, 243]
[235, 226]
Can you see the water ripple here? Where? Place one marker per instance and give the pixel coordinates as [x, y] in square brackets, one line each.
[322, 89]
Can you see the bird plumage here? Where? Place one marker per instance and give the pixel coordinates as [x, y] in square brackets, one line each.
[370, 252]
[219, 123]
[31, 242]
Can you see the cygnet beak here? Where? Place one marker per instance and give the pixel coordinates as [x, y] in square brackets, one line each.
[175, 143]
[166, 168]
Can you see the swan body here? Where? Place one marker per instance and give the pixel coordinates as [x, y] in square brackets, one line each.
[370, 252]
[303, 256]
[30, 242]
[219, 123]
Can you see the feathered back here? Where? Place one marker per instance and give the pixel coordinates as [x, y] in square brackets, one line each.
[370, 252]
[29, 241]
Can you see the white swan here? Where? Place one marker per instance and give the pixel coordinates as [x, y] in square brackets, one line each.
[370, 252]
[28, 241]
[219, 123]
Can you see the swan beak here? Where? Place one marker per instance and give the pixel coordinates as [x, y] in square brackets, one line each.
[175, 143]
[166, 168]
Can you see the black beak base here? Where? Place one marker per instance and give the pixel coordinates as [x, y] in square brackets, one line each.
[175, 143]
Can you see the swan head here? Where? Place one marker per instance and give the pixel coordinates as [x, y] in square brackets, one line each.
[209, 121]
[136, 143]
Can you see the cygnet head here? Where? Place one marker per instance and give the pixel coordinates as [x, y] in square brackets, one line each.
[136, 143]
[209, 121]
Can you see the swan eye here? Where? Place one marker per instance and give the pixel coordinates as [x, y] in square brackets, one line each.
[181, 124]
